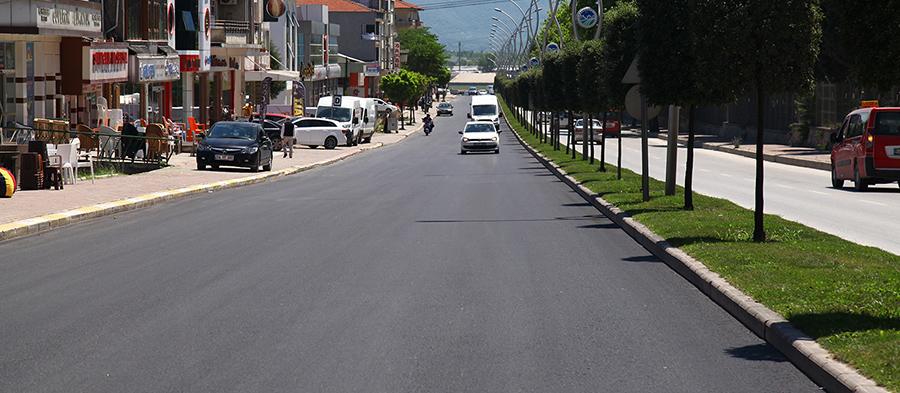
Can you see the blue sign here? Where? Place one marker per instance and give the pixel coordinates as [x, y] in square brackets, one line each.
[552, 47]
[524, 68]
[534, 62]
[587, 17]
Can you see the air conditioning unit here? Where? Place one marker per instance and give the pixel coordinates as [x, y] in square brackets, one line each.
[228, 2]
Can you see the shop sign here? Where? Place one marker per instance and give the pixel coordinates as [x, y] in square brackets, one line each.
[219, 63]
[189, 63]
[334, 71]
[372, 69]
[158, 69]
[107, 64]
[74, 18]
[319, 73]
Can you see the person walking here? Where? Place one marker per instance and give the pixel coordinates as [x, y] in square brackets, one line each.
[287, 138]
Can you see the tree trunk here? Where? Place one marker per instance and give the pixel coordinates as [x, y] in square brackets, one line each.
[619, 156]
[603, 144]
[689, 165]
[591, 132]
[645, 160]
[759, 231]
[569, 127]
[402, 115]
[584, 138]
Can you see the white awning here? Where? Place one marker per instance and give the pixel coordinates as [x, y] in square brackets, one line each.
[276, 75]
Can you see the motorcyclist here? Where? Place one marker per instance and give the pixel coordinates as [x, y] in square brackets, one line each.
[428, 123]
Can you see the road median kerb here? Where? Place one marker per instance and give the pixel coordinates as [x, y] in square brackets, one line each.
[35, 225]
[804, 352]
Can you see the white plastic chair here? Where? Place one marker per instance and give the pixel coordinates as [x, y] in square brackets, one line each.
[108, 141]
[80, 160]
[66, 170]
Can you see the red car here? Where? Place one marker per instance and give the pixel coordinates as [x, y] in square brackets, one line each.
[866, 150]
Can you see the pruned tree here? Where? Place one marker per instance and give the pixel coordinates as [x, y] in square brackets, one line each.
[620, 26]
[591, 91]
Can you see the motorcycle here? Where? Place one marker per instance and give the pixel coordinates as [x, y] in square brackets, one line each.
[428, 128]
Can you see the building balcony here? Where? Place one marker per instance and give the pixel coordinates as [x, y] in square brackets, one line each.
[231, 32]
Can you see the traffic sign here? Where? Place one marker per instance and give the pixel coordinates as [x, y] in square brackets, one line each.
[552, 47]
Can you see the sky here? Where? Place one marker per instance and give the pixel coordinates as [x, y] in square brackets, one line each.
[469, 25]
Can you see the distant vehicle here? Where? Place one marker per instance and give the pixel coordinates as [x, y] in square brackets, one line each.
[314, 132]
[866, 149]
[485, 108]
[612, 128]
[445, 108]
[235, 143]
[490, 89]
[479, 136]
[482, 92]
[382, 106]
[473, 91]
[270, 116]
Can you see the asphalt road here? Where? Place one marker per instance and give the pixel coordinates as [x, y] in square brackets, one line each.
[407, 269]
[800, 194]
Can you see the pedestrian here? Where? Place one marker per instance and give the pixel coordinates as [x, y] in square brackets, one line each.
[287, 138]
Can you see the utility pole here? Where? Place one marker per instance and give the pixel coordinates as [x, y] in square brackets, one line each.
[459, 56]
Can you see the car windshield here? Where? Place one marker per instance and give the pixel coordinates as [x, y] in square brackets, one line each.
[887, 123]
[334, 113]
[233, 131]
[444, 105]
[484, 110]
[479, 128]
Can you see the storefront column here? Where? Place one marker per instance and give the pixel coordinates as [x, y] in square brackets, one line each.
[167, 100]
[237, 91]
[145, 101]
[187, 103]
[218, 84]
[51, 71]
[40, 61]
[21, 90]
[204, 98]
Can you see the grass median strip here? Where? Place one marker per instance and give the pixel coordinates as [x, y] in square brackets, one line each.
[844, 294]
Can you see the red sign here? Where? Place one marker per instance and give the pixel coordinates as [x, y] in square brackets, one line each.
[99, 58]
[190, 63]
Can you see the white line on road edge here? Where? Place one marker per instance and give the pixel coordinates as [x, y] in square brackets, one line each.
[802, 350]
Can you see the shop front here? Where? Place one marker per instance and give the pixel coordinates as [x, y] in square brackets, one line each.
[94, 80]
[152, 70]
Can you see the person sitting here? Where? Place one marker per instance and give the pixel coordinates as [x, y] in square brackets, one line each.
[130, 141]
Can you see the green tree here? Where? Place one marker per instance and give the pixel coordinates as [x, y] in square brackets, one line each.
[772, 47]
[553, 81]
[402, 87]
[570, 56]
[862, 37]
[620, 30]
[591, 92]
[426, 55]
[676, 31]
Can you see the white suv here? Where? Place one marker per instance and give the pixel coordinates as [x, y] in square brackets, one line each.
[479, 136]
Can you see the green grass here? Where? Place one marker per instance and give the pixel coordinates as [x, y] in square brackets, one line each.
[99, 171]
[845, 295]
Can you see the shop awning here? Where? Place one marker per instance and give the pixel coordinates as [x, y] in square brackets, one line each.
[276, 75]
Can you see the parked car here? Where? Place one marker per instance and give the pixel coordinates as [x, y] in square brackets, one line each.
[473, 91]
[482, 92]
[479, 136]
[235, 143]
[866, 149]
[314, 132]
[382, 106]
[273, 131]
[612, 129]
[445, 108]
[270, 116]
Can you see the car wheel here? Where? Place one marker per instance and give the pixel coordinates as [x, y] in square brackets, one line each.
[201, 167]
[835, 182]
[268, 167]
[331, 142]
[858, 183]
[255, 167]
[367, 140]
[497, 151]
[462, 152]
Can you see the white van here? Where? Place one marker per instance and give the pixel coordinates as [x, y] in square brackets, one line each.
[369, 118]
[485, 108]
[347, 111]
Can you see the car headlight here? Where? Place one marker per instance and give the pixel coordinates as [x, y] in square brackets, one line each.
[203, 147]
[465, 139]
[494, 139]
[251, 150]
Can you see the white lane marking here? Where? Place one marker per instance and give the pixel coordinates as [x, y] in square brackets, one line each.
[785, 186]
[705, 170]
[725, 174]
[872, 202]
[818, 192]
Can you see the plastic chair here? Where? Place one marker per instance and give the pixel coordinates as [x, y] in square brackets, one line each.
[77, 160]
[66, 169]
[109, 141]
[156, 147]
[88, 138]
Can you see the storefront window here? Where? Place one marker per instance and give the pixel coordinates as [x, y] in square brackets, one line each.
[133, 20]
[157, 20]
[7, 83]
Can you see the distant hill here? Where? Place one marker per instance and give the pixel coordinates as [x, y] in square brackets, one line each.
[470, 25]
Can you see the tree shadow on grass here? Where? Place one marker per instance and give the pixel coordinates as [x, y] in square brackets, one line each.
[832, 323]
[686, 241]
[757, 352]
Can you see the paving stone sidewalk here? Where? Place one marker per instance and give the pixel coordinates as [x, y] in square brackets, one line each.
[181, 173]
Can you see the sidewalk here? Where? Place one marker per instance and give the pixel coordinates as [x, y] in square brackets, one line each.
[181, 176]
[798, 156]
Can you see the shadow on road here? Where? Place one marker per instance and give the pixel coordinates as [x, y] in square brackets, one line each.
[570, 218]
[757, 352]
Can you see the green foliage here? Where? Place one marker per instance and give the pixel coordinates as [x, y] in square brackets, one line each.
[404, 86]
[862, 37]
[591, 90]
[619, 36]
[553, 80]
[443, 77]
[570, 56]
[426, 55]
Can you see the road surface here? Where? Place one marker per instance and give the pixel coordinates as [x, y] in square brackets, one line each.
[408, 269]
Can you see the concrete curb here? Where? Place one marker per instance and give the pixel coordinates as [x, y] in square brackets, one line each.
[803, 351]
[768, 157]
[31, 226]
